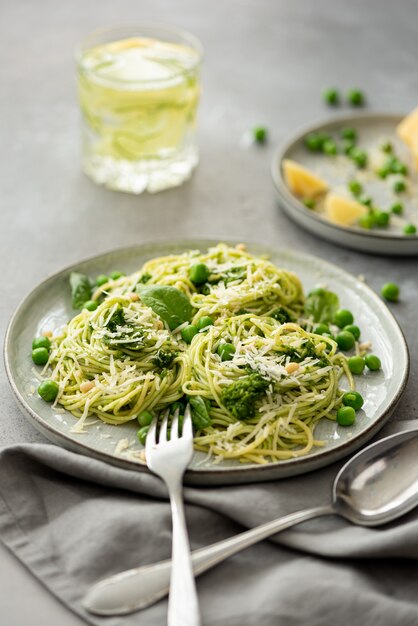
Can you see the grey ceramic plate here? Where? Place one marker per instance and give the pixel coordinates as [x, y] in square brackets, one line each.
[48, 306]
[372, 128]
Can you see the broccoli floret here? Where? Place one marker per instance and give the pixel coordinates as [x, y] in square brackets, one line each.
[240, 397]
[144, 278]
[164, 358]
[281, 315]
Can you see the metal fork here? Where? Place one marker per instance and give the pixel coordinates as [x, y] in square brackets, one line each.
[169, 460]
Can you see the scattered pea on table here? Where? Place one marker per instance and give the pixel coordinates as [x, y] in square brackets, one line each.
[260, 134]
[331, 96]
[390, 292]
[356, 97]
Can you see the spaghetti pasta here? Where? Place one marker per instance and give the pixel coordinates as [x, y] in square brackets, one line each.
[266, 379]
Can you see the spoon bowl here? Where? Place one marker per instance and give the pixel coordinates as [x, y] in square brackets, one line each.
[379, 483]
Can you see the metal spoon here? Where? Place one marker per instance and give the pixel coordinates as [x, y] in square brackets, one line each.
[376, 486]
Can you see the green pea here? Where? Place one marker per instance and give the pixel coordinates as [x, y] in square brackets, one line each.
[410, 229]
[322, 329]
[41, 342]
[331, 96]
[343, 317]
[116, 275]
[397, 208]
[102, 280]
[399, 168]
[355, 97]
[366, 221]
[48, 390]
[345, 340]
[356, 364]
[354, 330]
[366, 200]
[373, 362]
[390, 291]
[383, 172]
[188, 332]
[226, 351]
[142, 434]
[309, 203]
[353, 399]
[204, 322]
[346, 416]
[330, 148]
[199, 273]
[329, 336]
[399, 186]
[349, 133]
[347, 146]
[382, 218]
[90, 305]
[355, 187]
[145, 418]
[386, 147]
[318, 291]
[40, 356]
[359, 157]
[313, 142]
[260, 134]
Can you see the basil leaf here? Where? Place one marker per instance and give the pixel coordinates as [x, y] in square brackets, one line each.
[80, 289]
[322, 305]
[123, 335]
[200, 415]
[171, 304]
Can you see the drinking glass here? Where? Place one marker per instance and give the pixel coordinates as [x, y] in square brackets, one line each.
[139, 91]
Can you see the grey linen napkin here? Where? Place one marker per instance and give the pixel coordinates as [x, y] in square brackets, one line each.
[73, 520]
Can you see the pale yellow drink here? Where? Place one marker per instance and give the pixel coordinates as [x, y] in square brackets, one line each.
[139, 98]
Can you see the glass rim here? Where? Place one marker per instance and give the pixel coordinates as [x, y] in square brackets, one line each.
[188, 38]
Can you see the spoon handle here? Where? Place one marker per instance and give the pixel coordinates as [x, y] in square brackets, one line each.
[139, 588]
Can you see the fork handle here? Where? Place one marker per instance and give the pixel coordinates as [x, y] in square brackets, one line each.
[183, 607]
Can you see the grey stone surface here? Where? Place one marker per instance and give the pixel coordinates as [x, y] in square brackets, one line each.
[266, 63]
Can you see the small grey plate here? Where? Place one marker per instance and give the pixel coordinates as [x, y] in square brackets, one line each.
[372, 128]
[48, 306]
